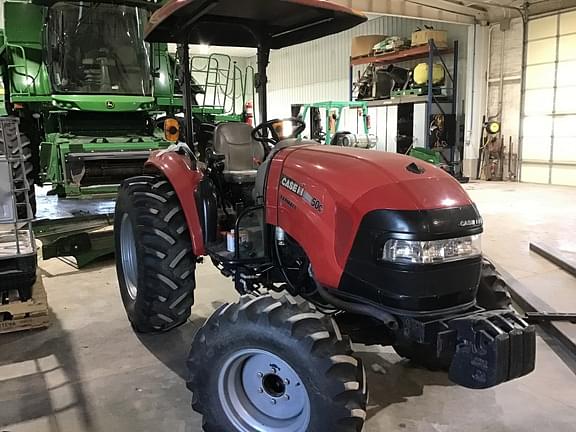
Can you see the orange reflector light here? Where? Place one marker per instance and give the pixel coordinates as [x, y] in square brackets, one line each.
[171, 130]
[279, 128]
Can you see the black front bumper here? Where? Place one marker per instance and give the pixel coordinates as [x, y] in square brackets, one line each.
[481, 348]
[413, 289]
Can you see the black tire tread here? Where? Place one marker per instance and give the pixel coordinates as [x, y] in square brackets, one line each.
[315, 331]
[493, 291]
[166, 279]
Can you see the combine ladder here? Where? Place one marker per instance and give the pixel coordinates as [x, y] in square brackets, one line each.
[224, 83]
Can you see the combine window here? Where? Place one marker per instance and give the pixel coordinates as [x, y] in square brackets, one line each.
[98, 48]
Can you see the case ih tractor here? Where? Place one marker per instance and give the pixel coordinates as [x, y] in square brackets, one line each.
[325, 245]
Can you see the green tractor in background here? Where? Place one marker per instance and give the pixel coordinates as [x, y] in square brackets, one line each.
[91, 94]
[328, 132]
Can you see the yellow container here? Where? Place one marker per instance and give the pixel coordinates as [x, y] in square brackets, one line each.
[421, 74]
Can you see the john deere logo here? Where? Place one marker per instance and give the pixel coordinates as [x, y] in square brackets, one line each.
[110, 105]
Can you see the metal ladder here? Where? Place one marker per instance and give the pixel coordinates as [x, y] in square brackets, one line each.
[216, 71]
[30, 80]
[17, 163]
[20, 228]
[221, 80]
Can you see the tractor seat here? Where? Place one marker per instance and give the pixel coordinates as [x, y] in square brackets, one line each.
[242, 154]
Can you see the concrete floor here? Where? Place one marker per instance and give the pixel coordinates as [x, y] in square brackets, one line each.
[517, 214]
[89, 372]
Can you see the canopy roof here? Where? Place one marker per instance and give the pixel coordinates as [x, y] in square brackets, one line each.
[278, 23]
[148, 4]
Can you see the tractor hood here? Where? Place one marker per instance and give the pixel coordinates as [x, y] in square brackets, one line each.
[348, 196]
[366, 180]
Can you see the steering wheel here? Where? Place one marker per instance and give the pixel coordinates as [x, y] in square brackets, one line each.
[269, 132]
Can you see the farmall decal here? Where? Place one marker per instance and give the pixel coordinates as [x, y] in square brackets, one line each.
[299, 190]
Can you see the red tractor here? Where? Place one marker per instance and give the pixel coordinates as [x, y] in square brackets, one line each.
[324, 244]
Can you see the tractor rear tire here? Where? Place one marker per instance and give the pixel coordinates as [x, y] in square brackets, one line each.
[493, 291]
[266, 364]
[18, 174]
[155, 262]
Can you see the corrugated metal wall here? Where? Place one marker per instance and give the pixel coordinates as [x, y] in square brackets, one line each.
[319, 70]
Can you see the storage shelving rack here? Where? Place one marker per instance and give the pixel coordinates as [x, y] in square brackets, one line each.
[433, 102]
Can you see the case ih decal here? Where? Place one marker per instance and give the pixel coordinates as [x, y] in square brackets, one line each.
[292, 186]
[299, 190]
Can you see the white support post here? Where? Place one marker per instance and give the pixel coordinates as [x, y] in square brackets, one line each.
[476, 93]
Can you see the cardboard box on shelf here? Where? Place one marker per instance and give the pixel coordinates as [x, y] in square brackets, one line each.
[363, 45]
[421, 37]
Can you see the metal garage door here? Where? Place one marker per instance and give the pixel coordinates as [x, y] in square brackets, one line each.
[549, 116]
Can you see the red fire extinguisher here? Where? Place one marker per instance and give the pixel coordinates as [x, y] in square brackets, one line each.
[249, 113]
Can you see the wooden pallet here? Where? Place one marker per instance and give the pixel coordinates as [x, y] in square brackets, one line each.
[17, 315]
[408, 92]
[439, 45]
[382, 52]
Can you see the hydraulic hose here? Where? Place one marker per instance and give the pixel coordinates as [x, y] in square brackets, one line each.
[357, 308]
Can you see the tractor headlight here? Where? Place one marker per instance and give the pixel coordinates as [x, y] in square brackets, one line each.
[430, 252]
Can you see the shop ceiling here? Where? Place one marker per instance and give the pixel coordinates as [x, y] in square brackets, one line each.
[463, 12]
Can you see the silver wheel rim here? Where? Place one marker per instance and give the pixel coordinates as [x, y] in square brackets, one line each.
[128, 256]
[261, 392]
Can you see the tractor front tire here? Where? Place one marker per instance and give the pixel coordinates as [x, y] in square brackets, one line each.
[266, 364]
[154, 258]
[493, 292]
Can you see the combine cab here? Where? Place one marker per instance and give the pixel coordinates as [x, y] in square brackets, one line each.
[92, 96]
[87, 89]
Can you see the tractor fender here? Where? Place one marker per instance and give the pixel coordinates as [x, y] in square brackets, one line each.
[185, 179]
[310, 216]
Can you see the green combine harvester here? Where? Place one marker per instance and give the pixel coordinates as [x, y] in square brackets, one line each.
[90, 92]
